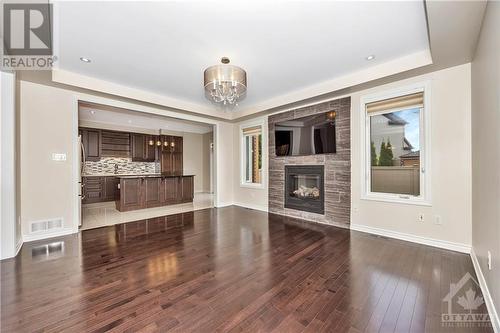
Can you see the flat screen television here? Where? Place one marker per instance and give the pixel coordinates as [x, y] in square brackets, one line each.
[309, 135]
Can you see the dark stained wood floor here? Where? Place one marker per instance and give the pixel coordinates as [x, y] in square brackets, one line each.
[228, 269]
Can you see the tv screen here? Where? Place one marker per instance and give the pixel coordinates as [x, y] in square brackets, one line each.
[309, 135]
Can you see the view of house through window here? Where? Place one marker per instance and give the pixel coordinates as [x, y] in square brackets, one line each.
[395, 145]
[252, 155]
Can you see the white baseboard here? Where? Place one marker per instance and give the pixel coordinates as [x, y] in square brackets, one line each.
[45, 235]
[250, 206]
[223, 204]
[486, 293]
[463, 248]
[19, 245]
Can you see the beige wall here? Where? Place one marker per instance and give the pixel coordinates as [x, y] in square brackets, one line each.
[46, 128]
[450, 114]
[193, 159]
[486, 149]
[207, 140]
[48, 118]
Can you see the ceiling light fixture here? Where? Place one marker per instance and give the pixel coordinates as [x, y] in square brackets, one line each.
[370, 57]
[87, 60]
[225, 84]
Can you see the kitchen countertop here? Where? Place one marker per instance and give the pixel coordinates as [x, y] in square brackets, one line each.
[147, 175]
[151, 176]
[122, 174]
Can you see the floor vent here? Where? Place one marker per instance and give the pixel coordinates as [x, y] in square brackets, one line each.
[47, 225]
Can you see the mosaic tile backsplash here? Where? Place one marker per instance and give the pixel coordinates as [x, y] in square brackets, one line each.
[125, 166]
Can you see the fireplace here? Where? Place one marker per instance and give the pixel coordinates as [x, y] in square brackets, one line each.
[304, 188]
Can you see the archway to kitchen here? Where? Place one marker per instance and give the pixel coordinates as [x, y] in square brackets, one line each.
[136, 165]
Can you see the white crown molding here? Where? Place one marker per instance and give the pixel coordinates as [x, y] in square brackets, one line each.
[495, 321]
[87, 82]
[402, 64]
[388, 68]
[458, 247]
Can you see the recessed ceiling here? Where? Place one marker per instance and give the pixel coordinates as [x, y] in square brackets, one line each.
[285, 47]
[122, 118]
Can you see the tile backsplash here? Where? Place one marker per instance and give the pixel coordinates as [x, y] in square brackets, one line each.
[125, 166]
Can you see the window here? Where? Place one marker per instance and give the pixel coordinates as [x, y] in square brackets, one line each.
[395, 155]
[251, 155]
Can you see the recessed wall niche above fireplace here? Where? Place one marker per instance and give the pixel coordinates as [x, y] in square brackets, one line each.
[333, 190]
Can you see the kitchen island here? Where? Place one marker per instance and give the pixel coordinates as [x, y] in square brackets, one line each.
[146, 191]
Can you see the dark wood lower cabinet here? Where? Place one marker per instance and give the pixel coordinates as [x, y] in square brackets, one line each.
[146, 192]
[187, 186]
[99, 189]
[169, 190]
[152, 191]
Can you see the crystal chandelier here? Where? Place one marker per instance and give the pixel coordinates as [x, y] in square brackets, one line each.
[225, 84]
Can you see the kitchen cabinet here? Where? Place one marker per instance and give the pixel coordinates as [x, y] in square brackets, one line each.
[141, 150]
[99, 189]
[187, 186]
[138, 148]
[115, 144]
[145, 192]
[131, 194]
[152, 191]
[91, 140]
[92, 189]
[169, 189]
[171, 155]
[111, 191]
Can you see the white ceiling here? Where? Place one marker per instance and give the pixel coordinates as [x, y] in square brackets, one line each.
[121, 118]
[163, 47]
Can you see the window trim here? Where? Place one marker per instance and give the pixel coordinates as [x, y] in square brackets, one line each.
[425, 147]
[243, 182]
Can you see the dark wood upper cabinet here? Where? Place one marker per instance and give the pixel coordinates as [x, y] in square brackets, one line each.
[138, 147]
[91, 140]
[115, 144]
[142, 150]
[150, 154]
[171, 155]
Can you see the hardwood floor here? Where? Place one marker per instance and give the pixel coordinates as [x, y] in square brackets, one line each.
[229, 270]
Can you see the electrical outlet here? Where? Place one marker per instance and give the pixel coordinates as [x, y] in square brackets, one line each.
[437, 220]
[489, 260]
[420, 217]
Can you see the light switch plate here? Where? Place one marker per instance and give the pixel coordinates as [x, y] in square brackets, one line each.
[58, 157]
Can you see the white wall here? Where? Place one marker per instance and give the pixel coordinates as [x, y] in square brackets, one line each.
[48, 125]
[450, 114]
[9, 237]
[245, 196]
[486, 150]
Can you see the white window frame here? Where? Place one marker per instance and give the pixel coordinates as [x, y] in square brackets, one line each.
[425, 148]
[243, 182]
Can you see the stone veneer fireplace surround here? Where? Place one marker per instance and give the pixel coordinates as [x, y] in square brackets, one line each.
[337, 167]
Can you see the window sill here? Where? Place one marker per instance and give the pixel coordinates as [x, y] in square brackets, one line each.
[252, 185]
[396, 200]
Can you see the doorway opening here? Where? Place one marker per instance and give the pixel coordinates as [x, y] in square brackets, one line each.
[136, 165]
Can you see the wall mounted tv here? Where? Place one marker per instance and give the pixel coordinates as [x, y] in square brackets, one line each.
[314, 134]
